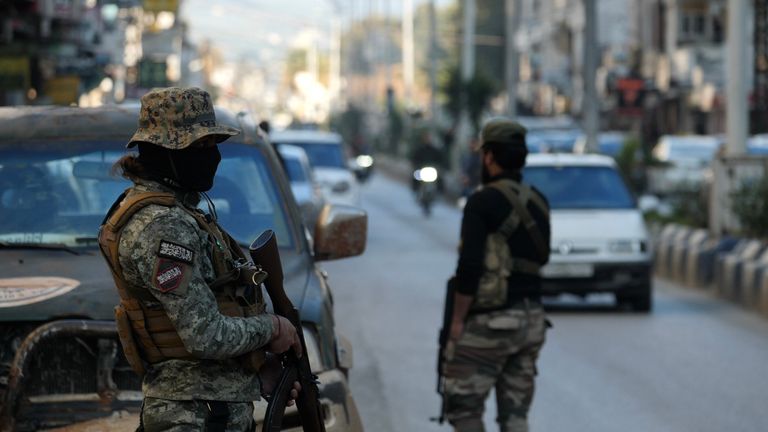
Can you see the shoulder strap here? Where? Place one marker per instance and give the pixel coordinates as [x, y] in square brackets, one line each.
[518, 195]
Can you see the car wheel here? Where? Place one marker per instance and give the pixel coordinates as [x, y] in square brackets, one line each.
[642, 302]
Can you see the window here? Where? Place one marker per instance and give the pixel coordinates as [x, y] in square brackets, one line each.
[580, 187]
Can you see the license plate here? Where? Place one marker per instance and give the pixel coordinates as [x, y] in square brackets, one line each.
[561, 270]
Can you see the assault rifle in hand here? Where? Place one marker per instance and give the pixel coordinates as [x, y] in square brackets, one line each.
[443, 339]
[264, 252]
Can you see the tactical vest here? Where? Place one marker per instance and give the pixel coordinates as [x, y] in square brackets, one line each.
[493, 290]
[146, 333]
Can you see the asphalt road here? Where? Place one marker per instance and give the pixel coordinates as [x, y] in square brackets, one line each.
[695, 364]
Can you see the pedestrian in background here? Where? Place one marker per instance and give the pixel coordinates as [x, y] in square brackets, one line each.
[498, 324]
[192, 316]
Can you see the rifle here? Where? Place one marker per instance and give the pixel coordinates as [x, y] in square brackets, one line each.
[264, 252]
[445, 334]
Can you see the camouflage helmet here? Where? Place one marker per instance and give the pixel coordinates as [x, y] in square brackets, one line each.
[176, 117]
[503, 131]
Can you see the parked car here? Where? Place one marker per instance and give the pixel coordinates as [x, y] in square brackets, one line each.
[328, 158]
[60, 356]
[306, 190]
[686, 162]
[599, 239]
[608, 143]
[553, 141]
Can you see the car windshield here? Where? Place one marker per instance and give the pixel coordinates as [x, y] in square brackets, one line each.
[57, 193]
[701, 151]
[295, 170]
[324, 155]
[580, 187]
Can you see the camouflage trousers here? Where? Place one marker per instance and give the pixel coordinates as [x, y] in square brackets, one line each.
[177, 416]
[497, 350]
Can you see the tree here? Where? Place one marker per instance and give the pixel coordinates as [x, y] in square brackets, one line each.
[475, 95]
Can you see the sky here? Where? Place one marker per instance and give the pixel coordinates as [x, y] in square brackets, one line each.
[263, 30]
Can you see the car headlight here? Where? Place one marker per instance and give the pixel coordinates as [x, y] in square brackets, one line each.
[340, 187]
[313, 350]
[627, 246]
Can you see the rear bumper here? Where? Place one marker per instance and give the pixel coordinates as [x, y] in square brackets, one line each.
[625, 278]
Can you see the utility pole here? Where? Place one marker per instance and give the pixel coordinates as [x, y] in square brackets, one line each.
[464, 131]
[591, 105]
[408, 61]
[736, 107]
[433, 110]
[335, 61]
[514, 12]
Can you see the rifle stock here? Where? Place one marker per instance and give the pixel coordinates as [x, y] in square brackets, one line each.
[265, 253]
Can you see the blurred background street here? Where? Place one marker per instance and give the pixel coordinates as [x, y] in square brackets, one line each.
[647, 131]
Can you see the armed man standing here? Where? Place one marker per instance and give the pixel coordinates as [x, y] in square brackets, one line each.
[495, 325]
[192, 315]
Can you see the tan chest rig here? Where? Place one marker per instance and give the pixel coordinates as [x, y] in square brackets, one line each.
[499, 263]
[146, 333]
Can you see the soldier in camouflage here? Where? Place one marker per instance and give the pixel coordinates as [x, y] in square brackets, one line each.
[171, 264]
[498, 325]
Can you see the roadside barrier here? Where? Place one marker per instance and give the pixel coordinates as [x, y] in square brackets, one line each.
[701, 271]
[667, 239]
[681, 251]
[733, 268]
[751, 276]
[728, 267]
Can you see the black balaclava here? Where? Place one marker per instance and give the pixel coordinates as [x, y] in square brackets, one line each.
[190, 169]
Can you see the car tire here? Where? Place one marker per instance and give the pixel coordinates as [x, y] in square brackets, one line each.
[642, 302]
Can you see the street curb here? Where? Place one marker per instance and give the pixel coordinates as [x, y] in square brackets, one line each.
[732, 268]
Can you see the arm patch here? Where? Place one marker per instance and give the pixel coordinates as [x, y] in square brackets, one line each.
[168, 275]
[175, 252]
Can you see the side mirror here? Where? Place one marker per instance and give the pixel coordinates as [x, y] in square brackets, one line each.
[341, 231]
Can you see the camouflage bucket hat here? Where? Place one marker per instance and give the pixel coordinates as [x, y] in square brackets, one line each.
[504, 131]
[176, 117]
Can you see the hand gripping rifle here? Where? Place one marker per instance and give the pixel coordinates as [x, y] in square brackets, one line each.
[445, 334]
[264, 252]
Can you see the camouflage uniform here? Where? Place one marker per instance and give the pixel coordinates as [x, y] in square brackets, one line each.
[504, 244]
[497, 350]
[164, 250]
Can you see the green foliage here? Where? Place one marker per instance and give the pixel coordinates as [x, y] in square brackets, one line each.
[474, 95]
[689, 208]
[749, 204]
[349, 123]
[630, 163]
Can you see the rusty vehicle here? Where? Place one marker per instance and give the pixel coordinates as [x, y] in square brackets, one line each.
[60, 360]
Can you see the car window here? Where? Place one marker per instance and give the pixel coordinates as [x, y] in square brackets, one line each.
[326, 155]
[246, 196]
[295, 170]
[580, 187]
[58, 192]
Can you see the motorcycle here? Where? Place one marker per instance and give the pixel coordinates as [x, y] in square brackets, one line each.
[426, 187]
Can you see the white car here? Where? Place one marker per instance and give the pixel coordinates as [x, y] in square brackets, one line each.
[599, 239]
[308, 193]
[328, 158]
[688, 160]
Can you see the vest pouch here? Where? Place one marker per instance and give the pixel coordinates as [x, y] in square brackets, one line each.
[130, 349]
[492, 290]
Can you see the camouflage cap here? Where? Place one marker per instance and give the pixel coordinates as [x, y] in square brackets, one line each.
[502, 130]
[176, 117]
